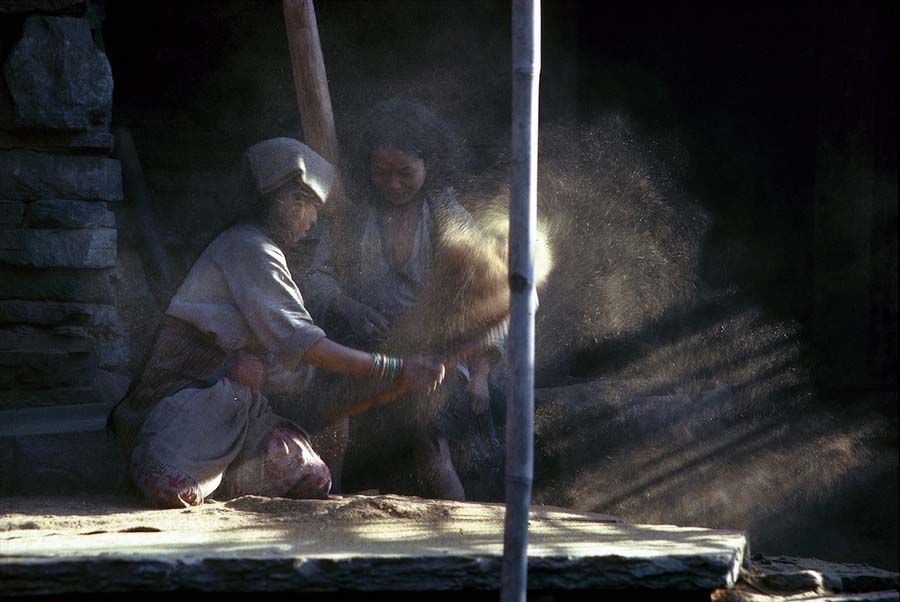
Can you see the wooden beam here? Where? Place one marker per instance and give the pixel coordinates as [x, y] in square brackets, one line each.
[310, 81]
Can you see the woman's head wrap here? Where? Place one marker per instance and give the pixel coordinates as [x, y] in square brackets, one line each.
[277, 161]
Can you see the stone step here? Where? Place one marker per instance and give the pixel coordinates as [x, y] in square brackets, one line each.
[57, 450]
[349, 544]
[790, 579]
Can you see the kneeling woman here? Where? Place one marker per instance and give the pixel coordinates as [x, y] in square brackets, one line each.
[195, 421]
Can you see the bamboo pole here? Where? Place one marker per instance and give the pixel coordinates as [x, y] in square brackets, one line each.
[526, 28]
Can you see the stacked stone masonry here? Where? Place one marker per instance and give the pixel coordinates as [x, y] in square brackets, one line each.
[61, 341]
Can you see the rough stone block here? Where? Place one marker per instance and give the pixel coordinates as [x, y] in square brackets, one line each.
[47, 369]
[100, 142]
[67, 7]
[790, 575]
[57, 284]
[107, 387]
[83, 248]
[112, 352]
[57, 78]
[52, 313]
[29, 175]
[12, 213]
[14, 399]
[55, 450]
[56, 420]
[74, 462]
[41, 358]
[30, 338]
[69, 214]
[57, 362]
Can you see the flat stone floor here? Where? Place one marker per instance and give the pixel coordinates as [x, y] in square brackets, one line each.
[355, 543]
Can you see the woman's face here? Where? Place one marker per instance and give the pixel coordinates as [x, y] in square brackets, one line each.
[297, 213]
[398, 176]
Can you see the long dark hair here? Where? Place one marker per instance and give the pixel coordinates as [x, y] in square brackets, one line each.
[409, 126]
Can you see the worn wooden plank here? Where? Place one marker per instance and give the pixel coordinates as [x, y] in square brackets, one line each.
[310, 80]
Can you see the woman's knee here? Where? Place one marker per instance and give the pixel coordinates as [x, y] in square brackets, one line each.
[293, 469]
[166, 486]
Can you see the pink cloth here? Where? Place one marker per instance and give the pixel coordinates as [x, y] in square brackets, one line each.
[293, 469]
[166, 486]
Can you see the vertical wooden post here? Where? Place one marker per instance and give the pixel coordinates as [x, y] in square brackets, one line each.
[316, 116]
[526, 27]
[317, 119]
[310, 81]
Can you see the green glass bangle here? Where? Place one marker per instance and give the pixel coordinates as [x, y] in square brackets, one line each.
[391, 372]
[377, 362]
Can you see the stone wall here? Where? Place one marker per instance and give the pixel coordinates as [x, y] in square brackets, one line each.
[61, 341]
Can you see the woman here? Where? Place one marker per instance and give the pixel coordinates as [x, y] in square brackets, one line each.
[402, 165]
[195, 422]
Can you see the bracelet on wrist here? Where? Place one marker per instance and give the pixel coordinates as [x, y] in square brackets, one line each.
[385, 367]
[377, 361]
[393, 365]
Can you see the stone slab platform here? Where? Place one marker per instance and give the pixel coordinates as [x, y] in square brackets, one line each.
[355, 543]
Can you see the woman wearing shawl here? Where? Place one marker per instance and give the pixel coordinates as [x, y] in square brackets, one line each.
[195, 422]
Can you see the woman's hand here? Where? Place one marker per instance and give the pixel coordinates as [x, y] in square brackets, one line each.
[367, 324]
[247, 370]
[422, 373]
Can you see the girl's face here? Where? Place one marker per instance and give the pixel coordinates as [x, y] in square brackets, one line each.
[398, 176]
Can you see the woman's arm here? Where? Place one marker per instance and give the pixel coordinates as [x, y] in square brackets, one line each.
[417, 372]
[328, 355]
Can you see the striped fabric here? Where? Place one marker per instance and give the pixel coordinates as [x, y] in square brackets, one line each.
[182, 357]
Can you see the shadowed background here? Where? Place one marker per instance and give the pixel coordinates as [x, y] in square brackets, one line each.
[717, 340]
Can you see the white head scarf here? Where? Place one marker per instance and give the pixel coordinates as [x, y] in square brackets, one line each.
[276, 161]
